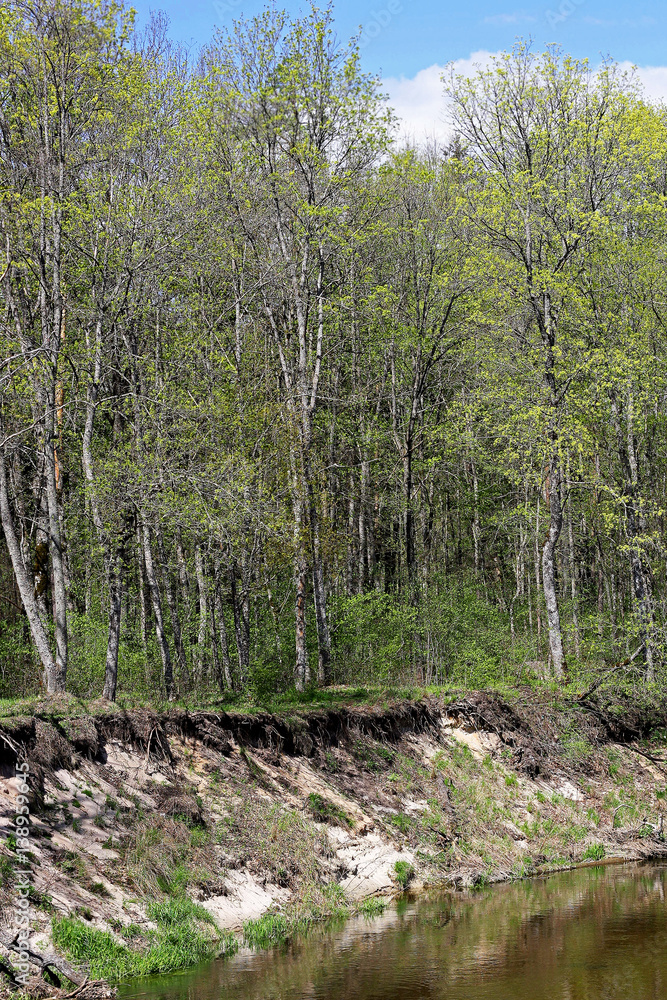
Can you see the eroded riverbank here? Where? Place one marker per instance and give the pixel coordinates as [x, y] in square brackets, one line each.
[212, 821]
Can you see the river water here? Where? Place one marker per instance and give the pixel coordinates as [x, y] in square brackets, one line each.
[591, 934]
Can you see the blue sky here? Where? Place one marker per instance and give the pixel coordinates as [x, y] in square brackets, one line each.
[409, 41]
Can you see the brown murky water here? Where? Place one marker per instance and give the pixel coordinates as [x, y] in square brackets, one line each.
[593, 934]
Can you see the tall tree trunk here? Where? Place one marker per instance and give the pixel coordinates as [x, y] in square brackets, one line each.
[572, 565]
[203, 616]
[349, 563]
[476, 526]
[301, 668]
[88, 589]
[549, 567]
[272, 607]
[538, 576]
[553, 491]
[635, 527]
[41, 566]
[600, 583]
[115, 577]
[362, 558]
[410, 560]
[113, 564]
[160, 635]
[319, 593]
[56, 553]
[26, 590]
[172, 604]
[241, 610]
[225, 680]
[141, 587]
[19, 501]
[67, 570]
[184, 584]
[307, 499]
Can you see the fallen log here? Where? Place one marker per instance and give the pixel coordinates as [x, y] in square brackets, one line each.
[48, 962]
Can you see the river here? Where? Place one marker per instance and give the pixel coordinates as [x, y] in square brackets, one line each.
[591, 934]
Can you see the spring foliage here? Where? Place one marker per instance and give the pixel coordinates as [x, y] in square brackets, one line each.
[283, 402]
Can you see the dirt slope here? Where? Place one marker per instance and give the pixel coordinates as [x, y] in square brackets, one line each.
[249, 814]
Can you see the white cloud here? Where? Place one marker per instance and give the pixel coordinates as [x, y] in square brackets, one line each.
[518, 17]
[626, 22]
[419, 101]
[420, 104]
[652, 78]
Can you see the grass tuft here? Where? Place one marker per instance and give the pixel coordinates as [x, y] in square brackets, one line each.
[178, 942]
[594, 852]
[324, 811]
[404, 873]
[271, 929]
[373, 907]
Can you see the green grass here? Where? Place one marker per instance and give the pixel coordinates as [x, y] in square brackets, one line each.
[283, 703]
[280, 703]
[372, 754]
[404, 872]
[178, 942]
[41, 900]
[6, 871]
[373, 907]
[72, 864]
[271, 929]
[402, 821]
[99, 950]
[99, 889]
[594, 852]
[318, 905]
[325, 811]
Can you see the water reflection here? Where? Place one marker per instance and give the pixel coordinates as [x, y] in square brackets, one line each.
[593, 934]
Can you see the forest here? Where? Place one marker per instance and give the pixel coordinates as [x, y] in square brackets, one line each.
[289, 402]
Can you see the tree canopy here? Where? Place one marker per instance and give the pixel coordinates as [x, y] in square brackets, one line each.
[285, 403]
